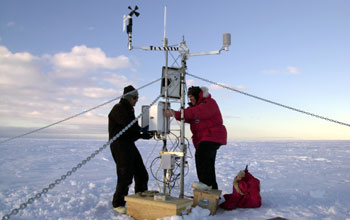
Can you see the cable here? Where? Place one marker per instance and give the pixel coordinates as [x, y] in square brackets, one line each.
[149, 155]
[76, 115]
[74, 169]
[272, 102]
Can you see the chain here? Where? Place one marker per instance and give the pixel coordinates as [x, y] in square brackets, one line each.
[74, 169]
[76, 115]
[272, 102]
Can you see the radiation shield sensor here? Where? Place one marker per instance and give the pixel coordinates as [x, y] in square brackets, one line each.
[156, 118]
[173, 75]
[145, 116]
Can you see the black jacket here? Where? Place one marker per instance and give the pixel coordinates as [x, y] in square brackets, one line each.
[119, 117]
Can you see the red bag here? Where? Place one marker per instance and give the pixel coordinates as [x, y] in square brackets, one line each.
[246, 192]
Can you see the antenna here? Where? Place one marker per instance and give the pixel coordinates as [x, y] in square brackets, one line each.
[164, 23]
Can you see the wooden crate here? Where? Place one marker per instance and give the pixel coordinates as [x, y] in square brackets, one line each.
[212, 196]
[141, 208]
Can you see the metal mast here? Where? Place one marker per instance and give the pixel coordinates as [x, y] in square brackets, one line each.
[165, 44]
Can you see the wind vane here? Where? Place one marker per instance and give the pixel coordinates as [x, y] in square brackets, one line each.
[129, 27]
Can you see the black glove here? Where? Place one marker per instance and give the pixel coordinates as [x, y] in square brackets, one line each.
[144, 129]
[145, 134]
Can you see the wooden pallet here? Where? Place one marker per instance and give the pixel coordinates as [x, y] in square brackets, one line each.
[212, 197]
[141, 208]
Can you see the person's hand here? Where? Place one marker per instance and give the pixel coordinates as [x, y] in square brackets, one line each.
[144, 129]
[169, 113]
[145, 134]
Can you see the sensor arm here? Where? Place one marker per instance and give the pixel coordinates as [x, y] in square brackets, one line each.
[225, 44]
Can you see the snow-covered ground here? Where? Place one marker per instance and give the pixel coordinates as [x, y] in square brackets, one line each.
[299, 179]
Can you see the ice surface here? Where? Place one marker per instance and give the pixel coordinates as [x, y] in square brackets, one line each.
[299, 179]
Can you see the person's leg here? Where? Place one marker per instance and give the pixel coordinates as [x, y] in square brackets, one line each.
[124, 160]
[205, 163]
[140, 174]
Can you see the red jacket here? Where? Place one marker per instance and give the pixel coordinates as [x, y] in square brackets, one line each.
[205, 120]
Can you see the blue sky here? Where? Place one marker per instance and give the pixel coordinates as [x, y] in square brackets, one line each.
[58, 58]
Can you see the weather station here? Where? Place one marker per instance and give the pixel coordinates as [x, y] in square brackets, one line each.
[171, 165]
[172, 159]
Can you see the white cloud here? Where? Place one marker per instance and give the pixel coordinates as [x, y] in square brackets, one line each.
[272, 72]
[293, 70]
[29, 96]
[34, 113]
[98, 92]
[240, 87]
[290, 70]
[116, 80]
[19, 69]
[87, 92]
[217, 87]
[83, 58]
[190, 82]
[11, 24]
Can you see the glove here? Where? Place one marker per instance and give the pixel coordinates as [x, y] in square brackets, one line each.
[145, 134]
[144, 129]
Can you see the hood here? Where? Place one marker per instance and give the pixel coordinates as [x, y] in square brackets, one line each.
[204, 94]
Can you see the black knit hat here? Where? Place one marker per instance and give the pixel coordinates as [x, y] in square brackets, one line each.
[194, 91]
[130, 88]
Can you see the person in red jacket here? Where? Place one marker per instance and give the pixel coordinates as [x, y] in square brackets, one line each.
[208, 131]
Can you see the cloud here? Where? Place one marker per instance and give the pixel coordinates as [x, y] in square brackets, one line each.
[11, 24]
[116, 80]
[83, 58]
[19, 69]
[190, 82]
[217, 87]
[290, 70]
[98, 92]
[33, 92]
[293, 70]
[272, 72]
[240, 87]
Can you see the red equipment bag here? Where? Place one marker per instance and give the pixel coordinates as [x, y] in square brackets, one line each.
[246, 192]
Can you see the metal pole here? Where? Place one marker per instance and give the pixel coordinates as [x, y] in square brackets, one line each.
[165, 121]
[182, 125]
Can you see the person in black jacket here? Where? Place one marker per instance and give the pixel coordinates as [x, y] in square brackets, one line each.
[128, 160]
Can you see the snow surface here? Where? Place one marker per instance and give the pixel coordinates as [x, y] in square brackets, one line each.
[299, 179]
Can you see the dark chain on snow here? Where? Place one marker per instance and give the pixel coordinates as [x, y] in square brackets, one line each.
[78, 166]
[76, 115]
[271, 102]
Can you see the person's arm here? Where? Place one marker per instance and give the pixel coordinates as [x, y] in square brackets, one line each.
[202, 111]
[121, 118]
[175, 114]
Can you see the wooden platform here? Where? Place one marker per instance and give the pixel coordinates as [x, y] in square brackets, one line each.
[212, 199]
[141, 208]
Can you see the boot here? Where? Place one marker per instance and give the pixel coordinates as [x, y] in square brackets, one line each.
[120, 209]
[200, 186]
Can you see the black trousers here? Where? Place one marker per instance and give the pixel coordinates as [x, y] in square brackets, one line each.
[205, 162]
[129, 166]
